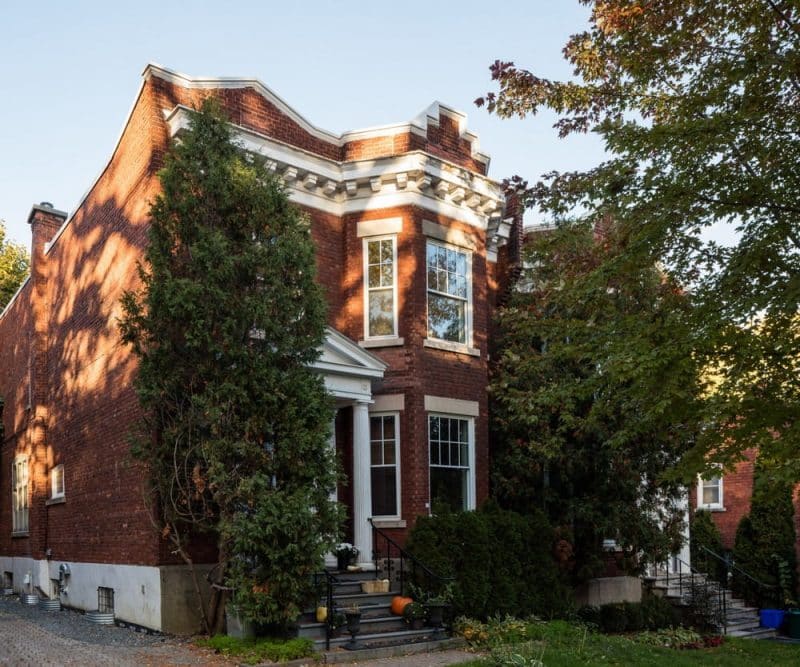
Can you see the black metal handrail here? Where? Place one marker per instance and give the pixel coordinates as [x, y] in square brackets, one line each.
[730, 566]
[720, 592]
[404, 556]
[330, 582]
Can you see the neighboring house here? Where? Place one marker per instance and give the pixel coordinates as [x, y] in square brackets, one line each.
[409, 233]
[728, 496]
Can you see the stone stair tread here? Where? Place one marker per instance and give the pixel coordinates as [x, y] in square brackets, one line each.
[754, 633]
[378, 637]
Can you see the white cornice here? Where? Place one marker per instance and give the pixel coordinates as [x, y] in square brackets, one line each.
[418, 126]
[411, 179]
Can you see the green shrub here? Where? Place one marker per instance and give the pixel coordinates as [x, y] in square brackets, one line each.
[501, 562]
[765, 543]
[703, 532]
[653, 613]
[254, 651]
[659, 613]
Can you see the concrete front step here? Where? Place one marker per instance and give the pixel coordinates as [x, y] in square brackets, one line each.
[363, 599]
[753, 633]
[374, 625]
[379, 638]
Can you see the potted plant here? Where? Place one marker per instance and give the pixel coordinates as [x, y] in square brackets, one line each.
[338, 621]
[353, 616]
[414, 615]
[346, 554]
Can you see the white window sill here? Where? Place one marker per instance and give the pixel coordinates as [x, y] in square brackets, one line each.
[449, 346]
[56, 501]
[393, 341]
[389, 523]
[711, 508]
[20, 533]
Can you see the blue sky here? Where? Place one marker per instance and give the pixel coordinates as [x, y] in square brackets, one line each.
[70, 72]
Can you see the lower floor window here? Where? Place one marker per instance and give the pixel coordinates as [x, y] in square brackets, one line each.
[451, 473]
[384, 443]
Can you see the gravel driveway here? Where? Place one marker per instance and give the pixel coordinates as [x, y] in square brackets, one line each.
[30, 636]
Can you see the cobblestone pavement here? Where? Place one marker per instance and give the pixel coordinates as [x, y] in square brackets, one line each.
[30, 636]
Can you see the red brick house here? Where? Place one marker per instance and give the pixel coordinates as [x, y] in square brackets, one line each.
[409, 232]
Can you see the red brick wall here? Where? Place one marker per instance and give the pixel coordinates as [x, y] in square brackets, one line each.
[85, 373]
[737, 490]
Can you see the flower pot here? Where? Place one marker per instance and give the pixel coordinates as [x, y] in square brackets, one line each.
[793, 623]
[435, 614]
[237, 625]
[771, 618]
[417, 624]
[353, 627]
[342, 562]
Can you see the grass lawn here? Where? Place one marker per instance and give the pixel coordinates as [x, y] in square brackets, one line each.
[558, 643]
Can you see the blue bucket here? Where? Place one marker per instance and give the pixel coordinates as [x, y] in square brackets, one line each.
[771, 618]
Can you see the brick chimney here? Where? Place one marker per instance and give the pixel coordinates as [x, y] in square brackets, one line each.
[45, 221]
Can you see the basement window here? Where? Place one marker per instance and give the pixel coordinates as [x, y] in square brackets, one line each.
[105, 600]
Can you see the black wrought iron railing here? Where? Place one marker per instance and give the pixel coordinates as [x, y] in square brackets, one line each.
[403, 565]
[709, 598]
[328, 582]
[765, 594]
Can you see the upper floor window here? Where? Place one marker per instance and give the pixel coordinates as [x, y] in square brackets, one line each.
[449, 293]
[19, 495]
[709, 492]
[380, 295]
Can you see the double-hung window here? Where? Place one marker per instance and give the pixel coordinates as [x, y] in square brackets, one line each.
[709, 492]
[57, 482]
[449, 293]
[19, 491]
[384, 443]
[452, 471]
[380, 294]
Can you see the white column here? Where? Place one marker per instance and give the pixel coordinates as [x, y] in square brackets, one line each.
[362, 485]
[330, 558]
[334, 496]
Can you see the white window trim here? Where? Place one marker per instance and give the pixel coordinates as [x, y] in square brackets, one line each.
[15, 528]
[393, 337]
[54, 494]
[717, 507]
[440, 343]
[470, 500]
[398, 477]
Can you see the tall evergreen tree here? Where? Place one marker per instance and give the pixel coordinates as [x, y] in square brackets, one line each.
[590, 396]
[226, 324]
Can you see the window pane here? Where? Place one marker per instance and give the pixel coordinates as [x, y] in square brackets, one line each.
[374, 273]
[387, 275]
[461, 264]
[386, 251]
[375, 428]
[441, 257]
[384, 491]
[446, 318]
[388, 452]
[433, 428]
[448, 488]
[711, 492]
[373, 252]
[431, 250]
[460, 288]
[381, 313]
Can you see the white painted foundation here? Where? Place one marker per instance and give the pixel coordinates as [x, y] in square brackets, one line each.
[137, 588]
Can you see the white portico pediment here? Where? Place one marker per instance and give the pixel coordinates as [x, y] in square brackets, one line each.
[348, 369]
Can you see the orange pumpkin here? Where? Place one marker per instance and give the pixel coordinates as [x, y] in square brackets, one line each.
[399, 603]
